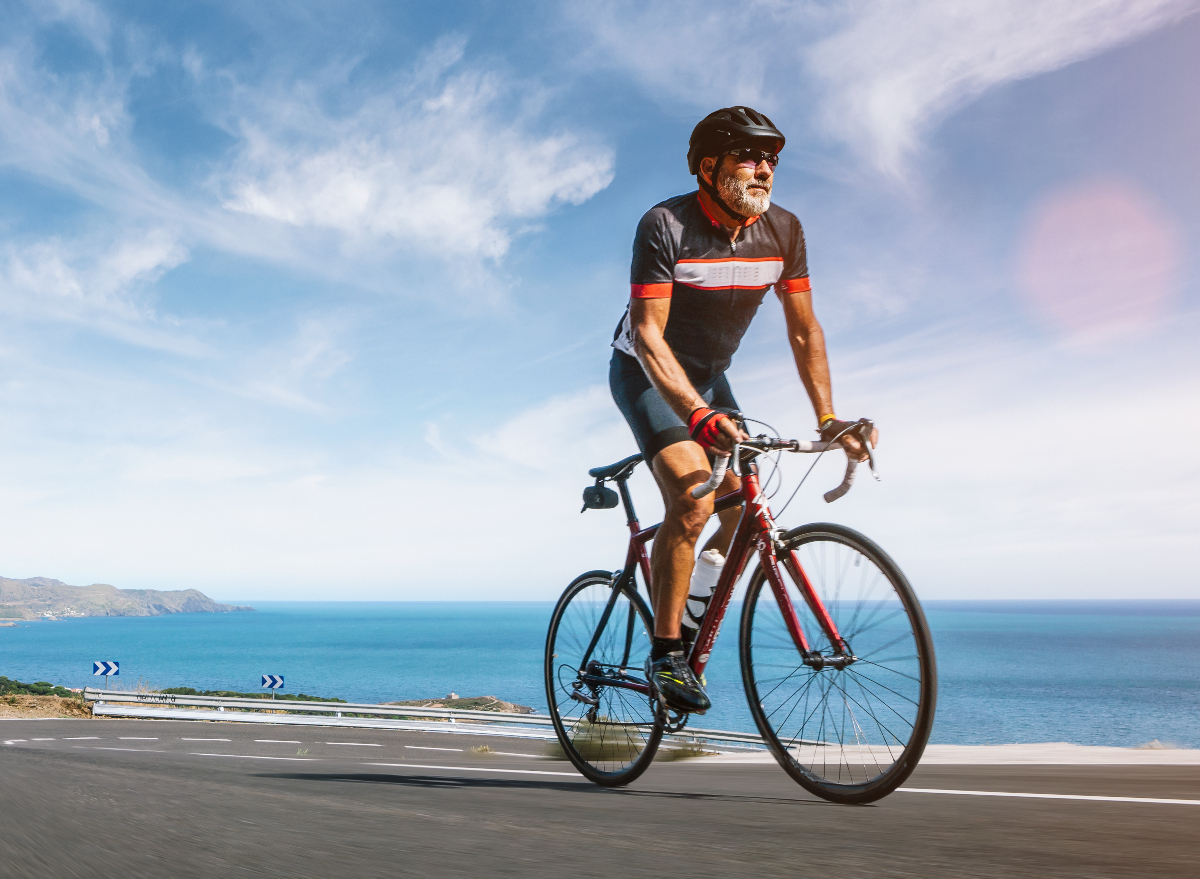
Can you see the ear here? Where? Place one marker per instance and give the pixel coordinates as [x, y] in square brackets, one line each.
[708, 167]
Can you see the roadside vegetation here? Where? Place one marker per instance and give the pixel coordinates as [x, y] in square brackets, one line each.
[10, 687]
[39, 699]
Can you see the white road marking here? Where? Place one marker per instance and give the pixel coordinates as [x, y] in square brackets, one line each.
[41, 740]
[81, 738]
[139, 750]
[256, 757]
[356, 744]
[138, 738]
[420, 748]
[277, 741]
[510, 754]
[204, 740]
[992, 793]
[474, 769]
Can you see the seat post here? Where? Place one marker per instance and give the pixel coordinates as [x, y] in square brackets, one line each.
[627, 501]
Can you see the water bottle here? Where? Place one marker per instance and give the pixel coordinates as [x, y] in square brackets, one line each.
[700, 590]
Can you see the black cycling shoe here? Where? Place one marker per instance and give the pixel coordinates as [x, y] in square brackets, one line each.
[672, 679]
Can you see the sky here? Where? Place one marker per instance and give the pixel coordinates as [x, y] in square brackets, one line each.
[313, 301]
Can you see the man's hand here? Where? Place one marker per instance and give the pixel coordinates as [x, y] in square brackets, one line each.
[714, 430]
[850, 440]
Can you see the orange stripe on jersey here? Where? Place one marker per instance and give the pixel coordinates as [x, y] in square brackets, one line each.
[794, 285]
[736, 259]
[650, 291]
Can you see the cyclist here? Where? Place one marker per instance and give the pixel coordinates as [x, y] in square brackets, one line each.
[702, 263]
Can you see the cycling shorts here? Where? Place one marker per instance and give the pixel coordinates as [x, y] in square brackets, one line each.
[655, 424]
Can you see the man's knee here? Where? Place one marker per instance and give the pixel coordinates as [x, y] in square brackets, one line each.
[691, 515]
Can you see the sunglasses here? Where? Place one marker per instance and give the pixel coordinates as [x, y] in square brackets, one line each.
[753, 157]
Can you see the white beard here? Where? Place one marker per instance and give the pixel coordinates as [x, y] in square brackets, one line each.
[736, 193]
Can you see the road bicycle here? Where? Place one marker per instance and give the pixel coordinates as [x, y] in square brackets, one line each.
[836, 656]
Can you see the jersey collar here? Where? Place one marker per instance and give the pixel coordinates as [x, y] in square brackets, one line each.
[701, 196]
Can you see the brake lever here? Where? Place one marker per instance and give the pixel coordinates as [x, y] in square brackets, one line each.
[864, 434]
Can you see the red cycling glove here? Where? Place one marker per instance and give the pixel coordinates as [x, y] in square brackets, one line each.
[704, 426]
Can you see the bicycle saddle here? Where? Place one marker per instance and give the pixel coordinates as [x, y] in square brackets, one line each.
[619, 470]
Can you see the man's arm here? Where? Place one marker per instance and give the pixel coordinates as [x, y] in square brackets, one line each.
[808, 348]
[648, 318]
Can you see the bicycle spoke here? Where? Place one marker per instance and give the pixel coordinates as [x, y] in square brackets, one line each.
[875, 649]
[850, 698]
[613, 740]
[842, 731]
[891, 616]
[859, 674]
[891, 670]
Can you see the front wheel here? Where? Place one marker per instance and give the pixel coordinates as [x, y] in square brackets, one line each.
[848, 732]
[608, 723]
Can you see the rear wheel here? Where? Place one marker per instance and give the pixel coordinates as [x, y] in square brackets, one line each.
[850, 734]
[607, 722]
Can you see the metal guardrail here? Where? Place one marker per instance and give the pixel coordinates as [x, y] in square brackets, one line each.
[290, 705]
[113, 702]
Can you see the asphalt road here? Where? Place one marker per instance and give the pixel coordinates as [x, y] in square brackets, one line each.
[133, 799]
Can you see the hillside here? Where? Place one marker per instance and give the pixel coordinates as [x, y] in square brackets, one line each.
[38, 596]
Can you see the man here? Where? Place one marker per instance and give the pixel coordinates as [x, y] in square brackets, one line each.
[702, 263]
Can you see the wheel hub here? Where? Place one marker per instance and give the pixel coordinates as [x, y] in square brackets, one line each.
[819, 661]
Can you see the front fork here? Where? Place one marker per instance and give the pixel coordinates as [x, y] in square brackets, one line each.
[770, 551]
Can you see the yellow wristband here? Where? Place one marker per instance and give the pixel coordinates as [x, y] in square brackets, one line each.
[830, 417]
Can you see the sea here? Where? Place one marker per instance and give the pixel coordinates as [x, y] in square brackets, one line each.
[1121, 673]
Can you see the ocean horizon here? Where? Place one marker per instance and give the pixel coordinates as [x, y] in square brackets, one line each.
[1088, 671]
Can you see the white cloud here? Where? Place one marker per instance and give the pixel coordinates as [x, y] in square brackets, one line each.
[898, 66]
[292, 374]
[1010, 470]
[150, 489]
[704, 54]
[873, 74]
[450, 159]
[560, 434]
[101, 281]
[445, 162]
[1015, 468]
[88, 18]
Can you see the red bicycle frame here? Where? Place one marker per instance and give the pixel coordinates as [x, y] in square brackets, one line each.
[755, 530]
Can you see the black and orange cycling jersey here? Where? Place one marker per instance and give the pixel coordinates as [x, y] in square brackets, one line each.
[715, 285]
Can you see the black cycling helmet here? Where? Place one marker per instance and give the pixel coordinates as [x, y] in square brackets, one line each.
[728, 129]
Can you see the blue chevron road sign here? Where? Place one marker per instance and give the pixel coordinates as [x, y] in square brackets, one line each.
[272, 681]
[106, 668]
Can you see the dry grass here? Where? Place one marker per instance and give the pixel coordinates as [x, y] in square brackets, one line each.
[607, 745]
[42, 706]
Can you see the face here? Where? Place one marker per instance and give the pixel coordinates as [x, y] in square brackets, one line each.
[745, 187]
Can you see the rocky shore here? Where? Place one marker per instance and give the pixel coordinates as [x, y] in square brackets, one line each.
[41, 598]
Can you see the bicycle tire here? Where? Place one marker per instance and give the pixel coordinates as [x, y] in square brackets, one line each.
[849, 735]
[613, 741]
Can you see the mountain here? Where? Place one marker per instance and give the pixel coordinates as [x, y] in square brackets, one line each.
[38, 596]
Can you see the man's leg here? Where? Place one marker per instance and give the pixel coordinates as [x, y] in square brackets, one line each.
[679, 468]
[729, 519]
